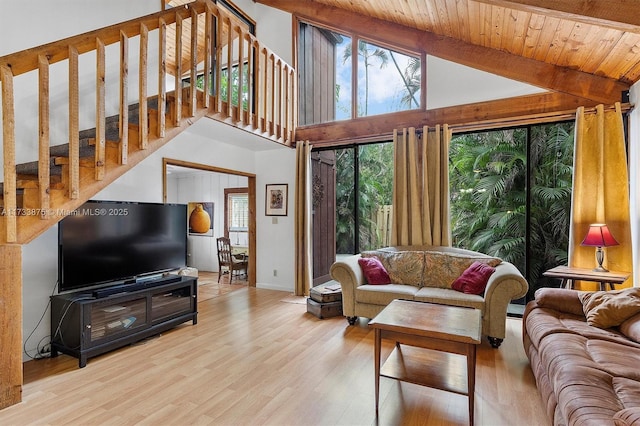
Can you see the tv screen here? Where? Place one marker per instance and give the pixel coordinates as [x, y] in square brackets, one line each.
[108, 241]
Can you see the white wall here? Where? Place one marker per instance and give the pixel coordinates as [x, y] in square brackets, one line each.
[273, 27]
[276, 248]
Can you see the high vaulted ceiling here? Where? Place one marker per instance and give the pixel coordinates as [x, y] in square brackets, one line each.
[584, 48]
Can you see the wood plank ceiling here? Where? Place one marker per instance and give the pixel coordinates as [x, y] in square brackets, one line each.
[172, 61]
[591, 44]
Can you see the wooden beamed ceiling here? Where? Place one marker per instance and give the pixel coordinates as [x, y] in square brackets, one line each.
[584, 52]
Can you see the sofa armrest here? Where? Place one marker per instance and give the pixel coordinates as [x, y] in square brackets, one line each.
[349, 274]
[561, 300]
[504, 285]
[628, 416]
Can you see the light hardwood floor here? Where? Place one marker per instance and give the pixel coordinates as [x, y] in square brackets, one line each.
[256, 357]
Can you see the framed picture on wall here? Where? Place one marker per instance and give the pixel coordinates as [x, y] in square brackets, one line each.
[276, 199]
[200, 214]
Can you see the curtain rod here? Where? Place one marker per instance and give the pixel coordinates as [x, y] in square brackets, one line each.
[530, 119]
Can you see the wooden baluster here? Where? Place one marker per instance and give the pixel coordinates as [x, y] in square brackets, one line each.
[100, 155]
[162, 75]
[265, 90]
[272, 94]
[44, 165]
[9, 152]
[293, 103]
[143, 119]
[229, 62]
[124, 99]
[250, 83]
[193, 75]
[240, 75]
[218, 65]
[74, 125]
[281, 77]
[207, 58]
[178, 72]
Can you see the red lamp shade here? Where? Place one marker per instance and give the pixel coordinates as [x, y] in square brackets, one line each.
[599, 236]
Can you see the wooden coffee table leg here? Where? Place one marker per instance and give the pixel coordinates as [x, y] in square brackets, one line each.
[376, 361]
[471, 380]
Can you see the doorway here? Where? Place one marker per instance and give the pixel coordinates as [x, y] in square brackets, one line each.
[170, 165]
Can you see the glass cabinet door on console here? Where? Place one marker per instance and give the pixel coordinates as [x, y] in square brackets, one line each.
[109, 319]
[172, 302]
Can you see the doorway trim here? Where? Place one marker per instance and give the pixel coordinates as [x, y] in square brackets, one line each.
[251, 184]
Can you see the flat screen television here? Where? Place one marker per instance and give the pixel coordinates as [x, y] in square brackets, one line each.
[107, 242]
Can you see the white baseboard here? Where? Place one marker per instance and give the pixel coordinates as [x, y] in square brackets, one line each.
[271, 286]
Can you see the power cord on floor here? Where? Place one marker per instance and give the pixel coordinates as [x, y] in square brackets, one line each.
[43, 348]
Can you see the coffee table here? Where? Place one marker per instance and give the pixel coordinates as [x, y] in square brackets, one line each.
[445, 336]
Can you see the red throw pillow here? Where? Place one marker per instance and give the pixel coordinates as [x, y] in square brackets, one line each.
[373, 270]
[474, 279]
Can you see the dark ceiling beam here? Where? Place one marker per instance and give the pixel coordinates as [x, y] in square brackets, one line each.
[616, 14]
[526, 70]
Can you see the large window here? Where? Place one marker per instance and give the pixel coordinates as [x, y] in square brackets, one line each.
[511, 195]
[338, 84]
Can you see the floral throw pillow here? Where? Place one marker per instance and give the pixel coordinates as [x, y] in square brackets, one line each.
[441, 269]
[474, 279]
[373, 271]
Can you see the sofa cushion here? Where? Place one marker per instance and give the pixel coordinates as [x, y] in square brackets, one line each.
[631, 328]
[403, 267]
[447, 296]
[373, 271]
[606, 309]
[560, 300]
[384, 294]
[441, 269]
[474, 279]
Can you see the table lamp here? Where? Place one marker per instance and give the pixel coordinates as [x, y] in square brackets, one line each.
[599, 236]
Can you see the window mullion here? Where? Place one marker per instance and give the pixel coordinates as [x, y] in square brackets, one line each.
[354, 76]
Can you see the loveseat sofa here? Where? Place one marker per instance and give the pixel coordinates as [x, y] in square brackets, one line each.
[427, 274]
[585, 374]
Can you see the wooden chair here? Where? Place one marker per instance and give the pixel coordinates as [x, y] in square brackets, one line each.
[227, 261]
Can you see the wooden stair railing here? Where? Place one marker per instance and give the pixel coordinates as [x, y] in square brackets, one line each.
[263, 101]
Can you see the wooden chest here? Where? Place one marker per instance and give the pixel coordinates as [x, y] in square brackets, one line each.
[324, 310]
[325, 293]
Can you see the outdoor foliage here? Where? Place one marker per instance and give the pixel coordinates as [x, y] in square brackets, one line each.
[488, 181]
[224, 82]
[375, 173]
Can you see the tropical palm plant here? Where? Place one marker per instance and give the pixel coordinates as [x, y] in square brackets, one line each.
[367, 54]
[488, 177]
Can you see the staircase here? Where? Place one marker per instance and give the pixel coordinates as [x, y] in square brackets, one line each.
[207, 41]
[38, 194]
